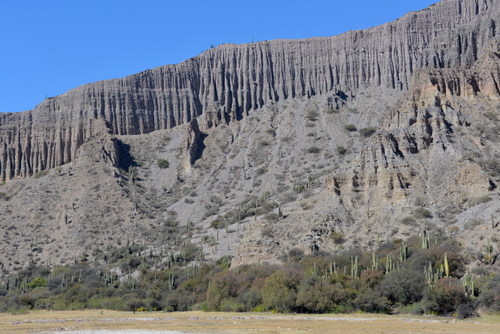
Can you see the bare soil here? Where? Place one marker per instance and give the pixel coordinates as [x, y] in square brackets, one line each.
[108, 322]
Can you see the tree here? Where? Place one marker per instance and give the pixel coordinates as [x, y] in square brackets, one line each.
[280, 291]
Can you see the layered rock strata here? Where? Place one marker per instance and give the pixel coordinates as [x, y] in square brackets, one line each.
[227, 82]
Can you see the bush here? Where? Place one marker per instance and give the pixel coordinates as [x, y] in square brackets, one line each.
[163, 163]
[261, 171]
[223, 285]
[367, 132]
[465, 311]
[337, 237]
[312, 116]
[41, 174]
[408, 220]
[350, 127]
[402, 287]
[490, 293]
[313, 150]
[319, 296]
[370, 301]
[445, 297]
[264, 143]
[251, 299]
[341, 150]
[134, 304]
[421, 213]
[295, 255]
[231, 305]
[280, 291]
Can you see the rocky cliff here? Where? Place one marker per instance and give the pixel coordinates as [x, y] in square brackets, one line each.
[228, 82]
[252, 151]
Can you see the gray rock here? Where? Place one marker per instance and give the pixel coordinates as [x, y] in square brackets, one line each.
[228, 82]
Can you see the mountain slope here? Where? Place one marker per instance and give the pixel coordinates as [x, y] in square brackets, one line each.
[315, 144]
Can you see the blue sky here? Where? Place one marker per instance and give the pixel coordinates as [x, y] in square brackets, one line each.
[51, 46]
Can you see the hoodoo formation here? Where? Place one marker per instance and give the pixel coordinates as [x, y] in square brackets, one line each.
[228, 82]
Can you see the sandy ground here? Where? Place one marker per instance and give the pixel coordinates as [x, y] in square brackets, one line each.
[107, 331]
[110, 322]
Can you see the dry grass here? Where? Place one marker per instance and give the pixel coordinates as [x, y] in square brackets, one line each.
[238, 323]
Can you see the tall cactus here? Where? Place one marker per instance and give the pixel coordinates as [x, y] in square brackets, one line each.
[403, 252]
[426, 240]
[488, 257]
[374, 262]
[354, 266]
[389, 264]
[429, 275]
[446, 266]
[468, 282]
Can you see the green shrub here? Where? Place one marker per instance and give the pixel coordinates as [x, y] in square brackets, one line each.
[422, 213]
[134, 304]
[403, 287]
[251, 299]
[341, 150]
[162, 163]
[337, 237]
[280, 290]
[492, 116]
[313, 150]
[231, 305]
[445, 297]
[259, 308]
[261, 171]
[408, 220]
[312, 116]
[264, 143]
[370, 301]
[490, 296]
[367, 132]
[350, 127]
[41, 174]
[224, 285]
[465, 311]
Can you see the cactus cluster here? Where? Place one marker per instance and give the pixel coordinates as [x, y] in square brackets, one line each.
[354, 267]
[432, 276]
[488, 256]
[426, 240]
[468, 282]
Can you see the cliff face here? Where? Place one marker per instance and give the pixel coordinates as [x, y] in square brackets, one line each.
[372, 135]
[227, 82]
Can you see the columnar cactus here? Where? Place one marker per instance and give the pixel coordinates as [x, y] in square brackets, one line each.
[468, 282]
[403, 252]
[374, 262]
[426, 240]
[446, 267]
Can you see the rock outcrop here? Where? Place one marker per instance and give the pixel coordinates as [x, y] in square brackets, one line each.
[227, 82]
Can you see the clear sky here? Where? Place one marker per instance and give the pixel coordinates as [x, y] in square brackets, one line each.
[51, 46]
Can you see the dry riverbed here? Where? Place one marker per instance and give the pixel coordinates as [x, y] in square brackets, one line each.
[111, 322]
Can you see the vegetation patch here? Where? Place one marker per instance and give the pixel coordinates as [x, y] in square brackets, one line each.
[425, 274]
[313, 150]
[350, 127]
[341, 150]
[41, 174]
[422, 213]
[367, 132]
[162, 163]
